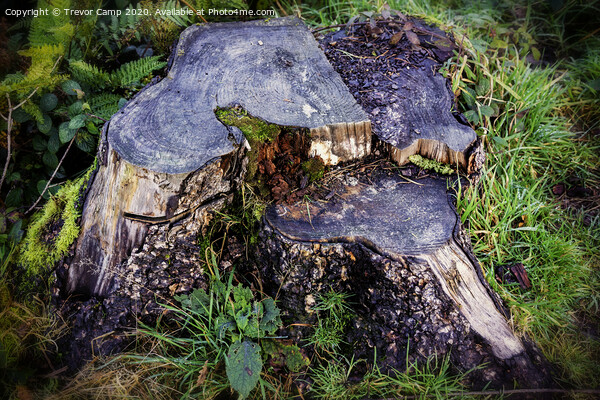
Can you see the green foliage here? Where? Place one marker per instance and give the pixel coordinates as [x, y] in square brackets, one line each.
[431, 165]
[433, 379]
[52, 28]
[27, 333]
[134, 71]
[229, 317]
[243, 366]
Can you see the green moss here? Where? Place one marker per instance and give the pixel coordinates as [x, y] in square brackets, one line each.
[431, 165]
[42, 248]
[314, 168]
[255, 130]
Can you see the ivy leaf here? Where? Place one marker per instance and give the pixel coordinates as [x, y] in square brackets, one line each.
[48, 102]
[65, 134]
[46, 125]
[77, 122]
[244, 365]
[271, 319]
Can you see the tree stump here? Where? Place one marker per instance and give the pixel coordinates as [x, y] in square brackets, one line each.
[167, 162]
[167, 157]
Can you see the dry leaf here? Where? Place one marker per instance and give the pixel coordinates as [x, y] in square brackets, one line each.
[414, 39]
[396, 38]
[408, 26]
[203, 374]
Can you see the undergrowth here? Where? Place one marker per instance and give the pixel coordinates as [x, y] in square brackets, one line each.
[527, 77]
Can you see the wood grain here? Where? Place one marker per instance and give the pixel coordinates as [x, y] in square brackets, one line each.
[273, 69]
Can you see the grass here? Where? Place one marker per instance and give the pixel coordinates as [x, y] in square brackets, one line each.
[539, 127]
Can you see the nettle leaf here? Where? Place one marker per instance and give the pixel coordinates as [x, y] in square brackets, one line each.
[197, 302]
[41, 185]
[48, 102]
[244, 365]
[85, 141]
[50, 159]
[75, 108]
[271, 319]
[39, 143]
[20, 116]
[14, 197]
[53, 143]
[65, 134]
[46, 124]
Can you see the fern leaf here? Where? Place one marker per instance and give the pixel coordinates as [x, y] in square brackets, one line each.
[34, 110]
[89, 74]
[49, 29]
[135, 70]
[105, 104]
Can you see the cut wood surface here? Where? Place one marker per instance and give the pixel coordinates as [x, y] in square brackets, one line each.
[272, 68]
[399, 84]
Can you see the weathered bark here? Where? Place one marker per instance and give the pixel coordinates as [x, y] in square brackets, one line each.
[168, 157]
[396, 247]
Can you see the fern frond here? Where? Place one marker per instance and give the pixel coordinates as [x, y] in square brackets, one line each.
[34, 110]
[46, 29]
[104, 105]
[135, 70]
[89, 74]
[40, 73]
